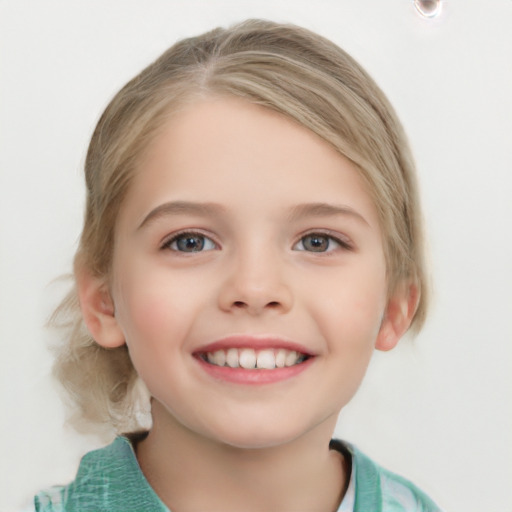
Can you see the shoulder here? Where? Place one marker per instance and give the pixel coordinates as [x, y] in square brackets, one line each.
[108, 480]
[379, 489]
[400, 494]
[50, 500]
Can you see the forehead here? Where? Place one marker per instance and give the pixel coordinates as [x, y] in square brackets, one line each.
[229, 150]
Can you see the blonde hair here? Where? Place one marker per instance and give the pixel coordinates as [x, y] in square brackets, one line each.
[284, 68]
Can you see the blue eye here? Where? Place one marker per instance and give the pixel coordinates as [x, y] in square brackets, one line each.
[319, 242]
[190, 242]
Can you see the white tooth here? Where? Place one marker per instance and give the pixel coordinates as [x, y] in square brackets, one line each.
[247, 358]
[232, 358]
[291, 358]
[280, 358]
[266, 360]
[210, 358]
[219, 357]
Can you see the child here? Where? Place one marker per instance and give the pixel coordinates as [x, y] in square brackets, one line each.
[252, 234]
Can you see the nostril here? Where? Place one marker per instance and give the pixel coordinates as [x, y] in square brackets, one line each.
[240, 304]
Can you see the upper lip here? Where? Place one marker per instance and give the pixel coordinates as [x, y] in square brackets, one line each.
[254, 342]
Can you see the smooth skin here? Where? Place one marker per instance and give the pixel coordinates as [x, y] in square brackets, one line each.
[241, 222]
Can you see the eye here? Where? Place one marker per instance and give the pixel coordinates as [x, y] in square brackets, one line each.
[320, 242]
[190, 242]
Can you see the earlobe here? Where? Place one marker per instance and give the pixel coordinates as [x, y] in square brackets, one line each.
[398, 316]
[98, 309]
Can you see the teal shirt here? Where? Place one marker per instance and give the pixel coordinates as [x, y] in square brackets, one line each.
[110, 480]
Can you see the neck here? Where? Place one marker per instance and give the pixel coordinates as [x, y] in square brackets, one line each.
[299, 475]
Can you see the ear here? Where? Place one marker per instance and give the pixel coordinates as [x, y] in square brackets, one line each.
[398, 315]
[98, 309]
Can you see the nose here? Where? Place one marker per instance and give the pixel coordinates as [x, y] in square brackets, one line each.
[255, 283]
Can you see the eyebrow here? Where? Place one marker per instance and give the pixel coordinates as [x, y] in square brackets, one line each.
[181, 208]
[298, 212]
[324, 210]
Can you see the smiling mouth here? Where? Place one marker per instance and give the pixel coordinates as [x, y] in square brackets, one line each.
[250, 359]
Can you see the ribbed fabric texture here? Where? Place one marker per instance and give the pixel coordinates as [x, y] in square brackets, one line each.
[108, 480]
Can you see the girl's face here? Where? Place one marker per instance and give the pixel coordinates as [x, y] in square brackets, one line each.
[247, 240]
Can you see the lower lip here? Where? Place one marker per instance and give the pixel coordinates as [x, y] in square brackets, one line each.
[253, 377]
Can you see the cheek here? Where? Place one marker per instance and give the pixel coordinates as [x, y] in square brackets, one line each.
[145, 318]
[152, 309]
[155, 325]
[351, 309]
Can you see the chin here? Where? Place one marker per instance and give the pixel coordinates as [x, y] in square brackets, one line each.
[259, 442]
[258, 436]
[246, 428]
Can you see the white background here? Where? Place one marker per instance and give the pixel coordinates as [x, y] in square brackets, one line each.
[438, 408]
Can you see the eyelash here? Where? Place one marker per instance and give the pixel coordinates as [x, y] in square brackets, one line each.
[340, 242]
[168, 243]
